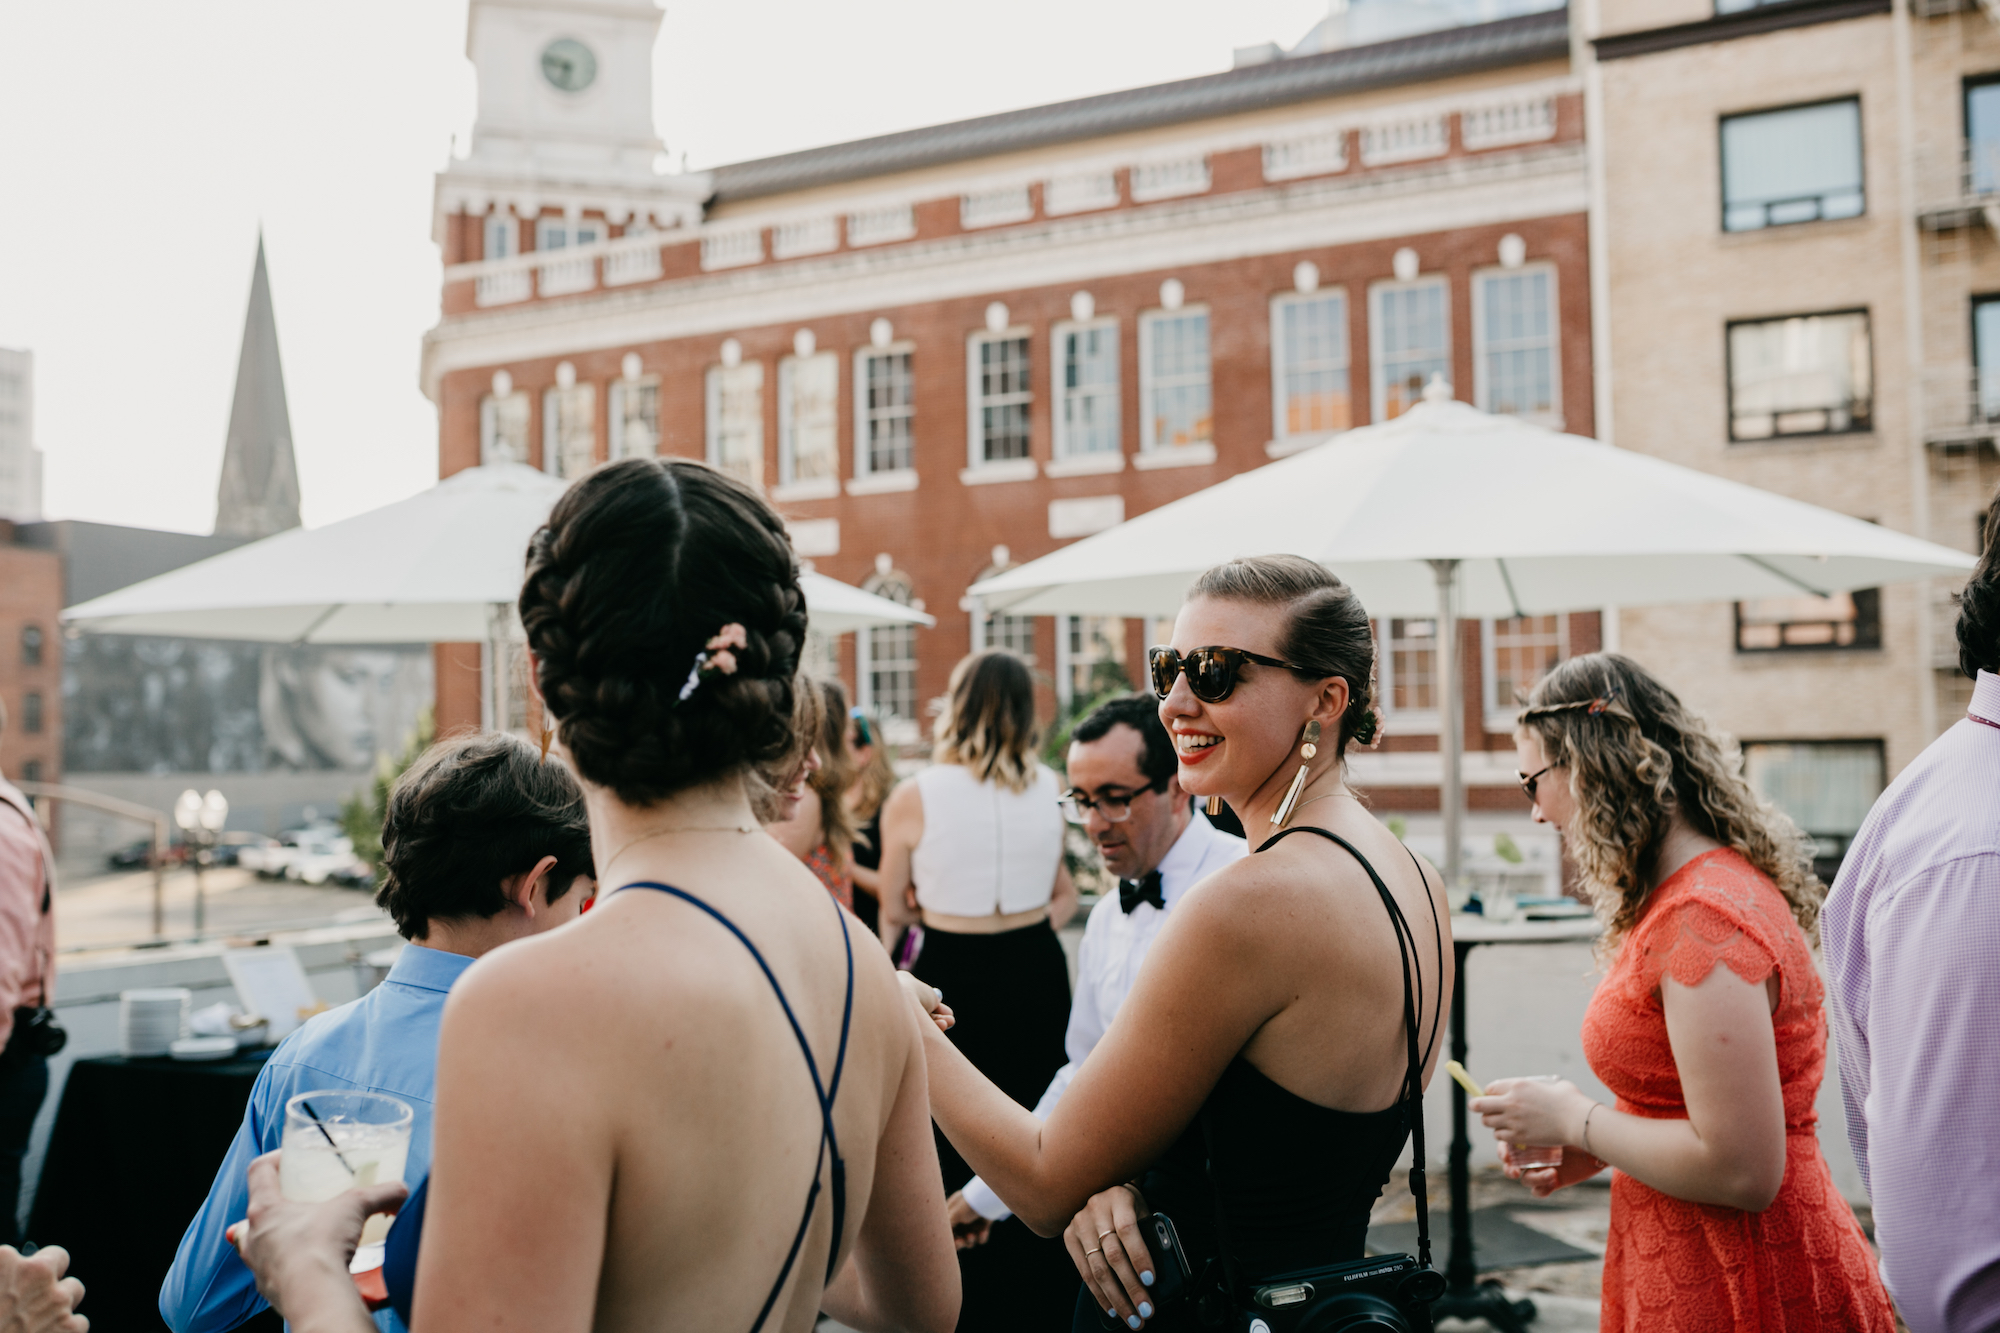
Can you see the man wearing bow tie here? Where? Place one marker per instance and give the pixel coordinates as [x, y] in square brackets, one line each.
[1124, 792]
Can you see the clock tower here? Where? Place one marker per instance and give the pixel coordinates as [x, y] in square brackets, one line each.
[565, 119]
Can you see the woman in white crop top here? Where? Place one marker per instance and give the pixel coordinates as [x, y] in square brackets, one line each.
[972, 857]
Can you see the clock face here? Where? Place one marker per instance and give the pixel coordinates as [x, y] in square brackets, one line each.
[568, 64]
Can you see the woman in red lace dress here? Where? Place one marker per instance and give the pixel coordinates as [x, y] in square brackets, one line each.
[1708, 1024]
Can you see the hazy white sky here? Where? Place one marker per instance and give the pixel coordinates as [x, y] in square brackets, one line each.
[145, 143]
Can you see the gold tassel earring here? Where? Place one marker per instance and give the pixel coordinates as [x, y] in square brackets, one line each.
[548, 734]
[1214, 805]
[1307, 750]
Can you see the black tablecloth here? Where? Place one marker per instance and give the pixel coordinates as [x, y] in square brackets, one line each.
[135, 1147]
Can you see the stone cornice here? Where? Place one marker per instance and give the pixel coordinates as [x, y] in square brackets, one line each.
[1479, 190]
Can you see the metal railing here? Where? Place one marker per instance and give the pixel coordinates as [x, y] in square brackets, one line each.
[56, 791]
[1960, 405]
[1956, 184]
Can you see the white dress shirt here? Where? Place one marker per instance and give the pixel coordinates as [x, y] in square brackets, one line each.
[1107, 964]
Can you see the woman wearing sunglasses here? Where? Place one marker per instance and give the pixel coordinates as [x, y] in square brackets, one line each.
[1709, 1024]
[1266, 1032]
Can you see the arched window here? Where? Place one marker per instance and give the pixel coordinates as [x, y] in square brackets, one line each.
[887, 673]
[31, 645]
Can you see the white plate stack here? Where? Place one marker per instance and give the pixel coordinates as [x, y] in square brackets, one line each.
[151, 1021]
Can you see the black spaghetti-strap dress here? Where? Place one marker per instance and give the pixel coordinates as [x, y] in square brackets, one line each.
[1293, 1181]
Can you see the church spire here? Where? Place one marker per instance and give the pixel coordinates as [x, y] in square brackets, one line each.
[259, 494]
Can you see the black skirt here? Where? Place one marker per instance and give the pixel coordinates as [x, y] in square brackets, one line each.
[1010, 993]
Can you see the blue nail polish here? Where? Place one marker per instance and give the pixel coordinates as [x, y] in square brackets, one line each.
[1145, 1309]
[1147, 1277]
[1133, 1321]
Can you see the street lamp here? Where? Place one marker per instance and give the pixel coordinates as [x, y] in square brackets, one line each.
[201, 818]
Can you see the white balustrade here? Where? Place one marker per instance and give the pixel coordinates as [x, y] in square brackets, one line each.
[993, 208]
[560, 277]
[1170, 179]
[1408, 140]
[503, 288]
[809, 236]
[1500, 124]
[1309, 155]
[875, 226]
[626, 266]
[1079, 194]
[732, 249]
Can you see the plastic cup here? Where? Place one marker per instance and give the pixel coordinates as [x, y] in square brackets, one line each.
[1534, 1159]
[337, 1141]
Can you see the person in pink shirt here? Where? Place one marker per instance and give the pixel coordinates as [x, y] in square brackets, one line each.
[1911, 933]
[27, 977]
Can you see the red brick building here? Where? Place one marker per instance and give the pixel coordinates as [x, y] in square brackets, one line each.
[949, 349]
[31, 595]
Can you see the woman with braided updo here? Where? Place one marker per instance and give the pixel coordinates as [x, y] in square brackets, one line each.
[1708, 1025]
[702, 1106]
[1261, 1078]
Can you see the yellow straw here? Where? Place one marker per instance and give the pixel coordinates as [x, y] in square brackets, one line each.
[1457, 1071]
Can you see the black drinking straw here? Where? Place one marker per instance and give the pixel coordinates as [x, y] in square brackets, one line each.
[320, 1125]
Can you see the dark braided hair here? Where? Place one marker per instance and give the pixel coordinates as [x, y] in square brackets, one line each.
[640, 564]
[1979, 603]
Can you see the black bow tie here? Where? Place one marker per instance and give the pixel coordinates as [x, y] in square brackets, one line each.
[1132, 892]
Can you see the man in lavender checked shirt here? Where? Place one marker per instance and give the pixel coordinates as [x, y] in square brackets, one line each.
[1125, 793]
[1911, 933]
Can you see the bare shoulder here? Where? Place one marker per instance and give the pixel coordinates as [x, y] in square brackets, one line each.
[905, 800]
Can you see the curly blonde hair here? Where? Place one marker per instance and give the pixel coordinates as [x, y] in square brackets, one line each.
[1634, 755]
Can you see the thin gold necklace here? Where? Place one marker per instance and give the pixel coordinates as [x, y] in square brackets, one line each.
[1323, 796]
[605, 871]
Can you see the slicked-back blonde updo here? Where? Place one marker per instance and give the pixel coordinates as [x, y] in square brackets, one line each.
[1633, 754]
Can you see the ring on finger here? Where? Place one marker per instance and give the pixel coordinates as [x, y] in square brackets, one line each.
[1106, 1232]
[1091, 1252]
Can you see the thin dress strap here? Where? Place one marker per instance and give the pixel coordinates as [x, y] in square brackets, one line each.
[829, 1141]
[1407, 954]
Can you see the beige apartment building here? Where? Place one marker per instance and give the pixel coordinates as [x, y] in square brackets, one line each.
[1793, 225]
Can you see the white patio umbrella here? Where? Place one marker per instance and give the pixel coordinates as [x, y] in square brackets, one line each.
[443, 566]
[1448, 511]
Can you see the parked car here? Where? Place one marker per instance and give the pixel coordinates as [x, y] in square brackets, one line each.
[230, 846]
[139, 855]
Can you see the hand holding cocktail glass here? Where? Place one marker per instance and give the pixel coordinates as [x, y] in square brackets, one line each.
[345, 1148]
[1537, 1121]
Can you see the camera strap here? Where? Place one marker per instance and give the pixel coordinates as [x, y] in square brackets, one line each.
[1413, 1076]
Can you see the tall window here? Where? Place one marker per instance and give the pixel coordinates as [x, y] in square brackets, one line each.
[1986, 354]
[635, 417]
[1016, 634]
[808, 430]
[1090, 658]
[1514, 342]
[1982, 136]
[1087, 385]
[569, 430]
[1408, 670]
[1776, 624]
[503, 428]
[503, 236]
[888, 671]
[1001, 397]
[562, 234]
[1827, 787]
[1410, 335]
[1309, 365]
[1801, 375]
[31, 645]
[1174, 380]
[736, 420]
[887, 398]
[1796, 164]
[31, 712]
[1519, 653]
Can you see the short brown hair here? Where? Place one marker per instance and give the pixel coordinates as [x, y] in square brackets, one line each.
[474, 811]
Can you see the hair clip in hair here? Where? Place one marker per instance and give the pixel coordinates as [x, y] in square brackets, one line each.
[1599, 705]
[715, 657]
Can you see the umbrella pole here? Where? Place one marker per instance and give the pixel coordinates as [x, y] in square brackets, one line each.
[496, 667]
[1451, 718]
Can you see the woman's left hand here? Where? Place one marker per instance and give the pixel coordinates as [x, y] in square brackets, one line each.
[1533, 1112]
[1105, 1245]
[299, 1252]
[929, 999]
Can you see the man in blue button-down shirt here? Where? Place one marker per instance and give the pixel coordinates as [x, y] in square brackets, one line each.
[483, 843]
